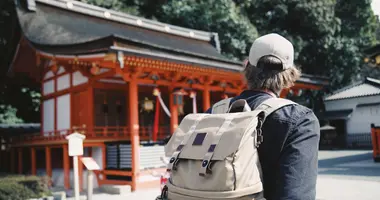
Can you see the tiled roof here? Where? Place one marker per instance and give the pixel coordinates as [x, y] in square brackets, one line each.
[58, 26]
[336, 114]
[368, 87]
[16, 129]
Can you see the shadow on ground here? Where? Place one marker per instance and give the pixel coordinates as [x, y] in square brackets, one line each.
[350, 165]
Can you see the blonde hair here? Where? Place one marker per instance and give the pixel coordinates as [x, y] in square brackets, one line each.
[268, 75]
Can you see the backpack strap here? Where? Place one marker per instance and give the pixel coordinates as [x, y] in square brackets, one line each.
[221, 106]
[268, 107]
[273, 104]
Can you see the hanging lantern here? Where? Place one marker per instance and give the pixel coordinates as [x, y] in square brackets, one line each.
[94, 69]
[193, 94]
[178, 96]
[148, 105]
[156, 92]
[180, 109]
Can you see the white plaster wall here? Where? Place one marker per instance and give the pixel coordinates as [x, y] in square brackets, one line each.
[63, 112]
[344, 104]
[63, 82]
[61, 70]
[361, 119]
[48, 87]
[78, 78]
[48, 115]
[49, 74]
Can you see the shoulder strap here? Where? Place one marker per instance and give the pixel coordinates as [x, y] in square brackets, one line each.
[273, 104]
[221, 106]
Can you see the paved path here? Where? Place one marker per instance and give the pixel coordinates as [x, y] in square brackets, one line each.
[346, 175]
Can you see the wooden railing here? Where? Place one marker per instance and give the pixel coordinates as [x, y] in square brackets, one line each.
[146, 133]
[98, 133]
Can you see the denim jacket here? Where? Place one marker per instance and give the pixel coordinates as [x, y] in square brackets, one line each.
[289, 152]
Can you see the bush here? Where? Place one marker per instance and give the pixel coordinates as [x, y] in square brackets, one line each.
[23, 187]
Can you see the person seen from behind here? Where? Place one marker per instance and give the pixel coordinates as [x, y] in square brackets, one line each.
[289, 152]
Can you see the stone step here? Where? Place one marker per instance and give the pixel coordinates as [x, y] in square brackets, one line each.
[115, 189]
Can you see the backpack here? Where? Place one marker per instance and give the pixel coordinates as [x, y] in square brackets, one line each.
[214, 156]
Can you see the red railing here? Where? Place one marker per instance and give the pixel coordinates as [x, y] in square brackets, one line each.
[146, 133]
[99, 133]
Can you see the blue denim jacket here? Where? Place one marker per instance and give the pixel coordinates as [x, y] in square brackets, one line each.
[289, 152]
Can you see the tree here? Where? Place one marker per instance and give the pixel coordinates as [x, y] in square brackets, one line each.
[323, 43]
[235, 31]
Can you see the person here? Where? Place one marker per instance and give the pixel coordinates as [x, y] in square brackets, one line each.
[289, 152]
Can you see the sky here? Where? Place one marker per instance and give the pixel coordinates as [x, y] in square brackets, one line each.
[376, 7]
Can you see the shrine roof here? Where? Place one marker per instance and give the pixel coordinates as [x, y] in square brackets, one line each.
[60, 26]
[18, 129]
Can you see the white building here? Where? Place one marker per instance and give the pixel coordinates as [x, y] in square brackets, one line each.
[352, 109]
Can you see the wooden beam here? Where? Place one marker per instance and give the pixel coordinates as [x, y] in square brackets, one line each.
[48, 161]
[13, 160]
[19, 151]
[173, 111]
[66, 167]
[91, 107]
[104, 164]
[134, 130]
[33, 160]
[206, 98]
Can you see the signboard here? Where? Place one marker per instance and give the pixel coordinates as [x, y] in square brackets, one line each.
[90, 163]
[75, 144]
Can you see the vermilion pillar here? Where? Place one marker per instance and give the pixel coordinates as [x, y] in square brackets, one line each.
[19, 160]
[66, 167]
[90, 96]
[206, 98]
[134, 130]
[173, 113]
[284, 92]
[33, 160]
[48, 161]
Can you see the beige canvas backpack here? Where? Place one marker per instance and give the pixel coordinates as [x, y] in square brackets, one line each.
[214, 156]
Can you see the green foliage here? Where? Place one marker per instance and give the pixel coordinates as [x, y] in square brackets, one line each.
[23, 187]
[235, 30]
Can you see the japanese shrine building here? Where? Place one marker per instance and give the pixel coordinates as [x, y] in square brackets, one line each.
[109, 76]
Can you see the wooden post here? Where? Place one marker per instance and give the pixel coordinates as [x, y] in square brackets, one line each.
[66, 166]
[19, 160]
[173, 112]
[206, 98]
[104, 164]
[80, 173]
[48, 162]
[33, 160]
[134, 130]
[90, 97]
[13, 160]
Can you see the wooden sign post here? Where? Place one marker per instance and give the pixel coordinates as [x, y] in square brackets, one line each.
[75, 150]
[91, 165]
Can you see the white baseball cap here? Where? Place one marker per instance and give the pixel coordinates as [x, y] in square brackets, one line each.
[275, 45]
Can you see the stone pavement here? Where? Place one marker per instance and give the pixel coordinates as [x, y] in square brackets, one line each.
[343, 175]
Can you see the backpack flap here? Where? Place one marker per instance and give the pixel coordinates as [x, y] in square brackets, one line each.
[215, 137]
